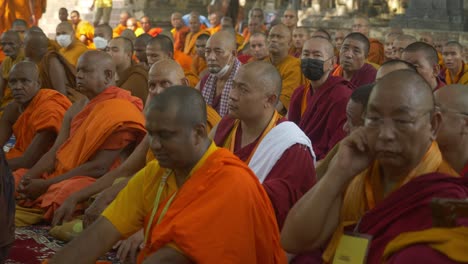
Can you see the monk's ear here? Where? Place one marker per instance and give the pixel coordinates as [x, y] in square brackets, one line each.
[200, 133]
[436, 69]
[234, 52]
[465, 125]
[109, 75]
[436, 120]
[272, 99]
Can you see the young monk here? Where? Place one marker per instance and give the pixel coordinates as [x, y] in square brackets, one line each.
[376, 48]
[195, 31]
[199, 60]
[456, 69]
[140, 50]
[279, 42]
[75, 160]
[400, 43]
[179, 31]
[72, 48]
[299, 36]
[353, 66]
[384, 175]
[34, 117]
[192, 221]
[258, 47]
[319, 107]
[11, 46]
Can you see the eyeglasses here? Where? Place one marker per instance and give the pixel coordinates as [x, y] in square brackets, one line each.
[401, 123]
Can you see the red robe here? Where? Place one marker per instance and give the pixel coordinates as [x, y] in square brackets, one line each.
[407, 209]
[321, 115]
[363, 76]
[285, 184]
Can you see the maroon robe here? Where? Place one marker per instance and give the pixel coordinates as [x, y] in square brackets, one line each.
[365, 75]
[325, 114]
[419, 253]
[440, 84]
[290, 178]
[407, 209]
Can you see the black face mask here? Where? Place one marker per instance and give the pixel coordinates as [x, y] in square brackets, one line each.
[312, 68]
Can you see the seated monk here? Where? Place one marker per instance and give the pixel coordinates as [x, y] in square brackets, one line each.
[7, 208]
[299, 37]
[319, 107]
[34, 117]
[76, 159]
[258, 47]
[55, 72]
[452, 136]
[181, 220]
[391, 66]
[147, 27]
[376, 53]
[163, 74]
[129, 75]
[424, 57]
[353, 66]
[140, 50]
[198, 66]
[456, 69]
[227, 23]
[223, 65]
[117, 31]
[400, 43]
[83, 30]
[179, 31]
[102, 36]
[195, 31]
[383, 176]
[11, 45]
[279, 41]
[72, 48]
[161, 47]
[134, 25]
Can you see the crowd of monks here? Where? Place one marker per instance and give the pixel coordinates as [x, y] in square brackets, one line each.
[205, 145]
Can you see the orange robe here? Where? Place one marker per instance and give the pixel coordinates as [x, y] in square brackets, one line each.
[190, 40]
[154, 32]
[179, 37]
[44, 113]
[198, 65]
[195, 223]
[183, 59]
[73, 52]
[213, 30]
[192, 78]
[291, 74]
[366, 191]
[114, 120]
[135, 80]
[376, 52]
[118, 30]
[460, 78]
[85, 28]
[46, 76]
[39, 9]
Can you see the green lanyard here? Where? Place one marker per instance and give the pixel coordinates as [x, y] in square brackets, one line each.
[156, 204]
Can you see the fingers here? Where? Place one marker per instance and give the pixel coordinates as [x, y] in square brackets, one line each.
[58, 215]
[124, 248]
[117, 244]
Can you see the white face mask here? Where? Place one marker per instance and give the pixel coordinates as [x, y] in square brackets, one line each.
[64, 40]
[225, 69]
[100, 43]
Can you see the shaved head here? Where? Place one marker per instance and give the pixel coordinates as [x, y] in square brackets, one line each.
[322, 33]
[400, 43]
[124, 43]
[164, 42]
[226, 39]
[360, 38]
[129, 34]
[167, 66]
[100, 58]
[453, 96]
[283, 28]
[103, 31]
[36, 43]
[12, 35]
[428, 50]
[329, 49]
[164, 74]
[265, 76]
[27, 66]
[11, 43]
[393, 65]
[64, 27]
[24, 81]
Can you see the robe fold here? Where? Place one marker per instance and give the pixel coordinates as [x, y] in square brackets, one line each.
[86, 29]
[179, 37]
[321, 114]
[205, 229]
[44, 113]
[73, 52]
[406, 208]
[135, 80]
[365, 75]
[117, 31]
[198, 65]
[154, 32]
[190, 39]
[46, 76]
[285, 183]
[461, 77]
[376, 52]
[183, 59]
[110, 121]
[215, 29]
[291, 74]
[434, 245]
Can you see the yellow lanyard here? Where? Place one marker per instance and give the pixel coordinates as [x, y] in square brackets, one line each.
[156, 204]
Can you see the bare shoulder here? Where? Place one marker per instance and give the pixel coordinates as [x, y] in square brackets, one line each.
[76, 108]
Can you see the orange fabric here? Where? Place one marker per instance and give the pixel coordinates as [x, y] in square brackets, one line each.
[291, 74]
[118, 30]
[179, 37]
[46, 76]
[366, 189]
[85, 28]
[460, 78]
[376, 52]
[183, 59]
[44, 112]
[192, 78]
[73, 52]
[213, 30]
[198, 65]
[39, 8]
[53, 45]
[441, 60]
[190, 40]
[188, 223]
[154, 31]
[111, 120]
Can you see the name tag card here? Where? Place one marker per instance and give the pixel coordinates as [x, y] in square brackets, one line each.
[352, 249]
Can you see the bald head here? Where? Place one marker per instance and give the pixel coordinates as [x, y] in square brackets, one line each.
[30, 68]
[24, 81]
[11, 43]
[279, 40]
[128, 34]
[290, 18]
[326, 45]
[265, 76]
[322, 33]
[158, 48]
[454, 97]
[164, 74]
[194, 22]
[400, 43]
[101, 59]
[36, 44]
[64, 27]
[19, 25]
[361, 38]
[103, 31]
[393, 65]
[226, 40]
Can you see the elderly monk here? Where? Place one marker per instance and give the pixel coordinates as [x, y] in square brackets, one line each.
[319, 107]
[353, 66]
[34, 117]
[456, 70]
[424, 57]
[84, 31]
[253, 129]
[259, 47]
[102, 36]
[140, 49]
[290, 19]
[124, 16]
[215, 21]
[391, 66]
[179, 31]
[72, 48]
[376, 48]
[384, 175]
[55, 71]
[11, 45]
[76, 160]
[254, 25]
[133, 25]
[199, 60]
[400, 43]
[279, 42]
[128, 76]
[161, 47]
[192, 220]
[147, 28]
[322, 33]
[388, 45]
[7, 208]
[191, 38]
[221, 56]
[299, 36]
[339, 38]
[452, 136]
